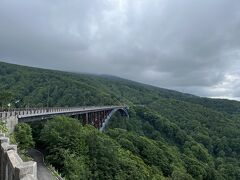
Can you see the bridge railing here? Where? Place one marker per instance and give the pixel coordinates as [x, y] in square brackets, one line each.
[30, 111]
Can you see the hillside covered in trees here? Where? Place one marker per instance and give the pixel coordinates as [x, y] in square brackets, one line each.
[169, 135]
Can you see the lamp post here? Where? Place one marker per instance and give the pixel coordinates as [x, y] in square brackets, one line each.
[16, 103]
[9, 105]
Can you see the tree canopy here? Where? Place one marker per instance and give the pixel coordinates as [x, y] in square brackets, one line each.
[169, 135]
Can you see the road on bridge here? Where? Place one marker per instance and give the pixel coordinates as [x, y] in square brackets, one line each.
[43, 173]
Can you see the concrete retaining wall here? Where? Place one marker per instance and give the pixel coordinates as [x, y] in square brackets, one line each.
[11, 165]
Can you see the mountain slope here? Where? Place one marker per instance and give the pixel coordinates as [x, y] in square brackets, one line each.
[175, 134]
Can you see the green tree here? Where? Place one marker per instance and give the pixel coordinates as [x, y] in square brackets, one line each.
[3, 128]
[5, 98]
[23, 136]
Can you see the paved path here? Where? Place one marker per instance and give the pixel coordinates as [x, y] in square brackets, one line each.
[43, 172]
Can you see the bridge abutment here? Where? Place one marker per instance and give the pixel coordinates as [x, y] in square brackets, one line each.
[11, 122]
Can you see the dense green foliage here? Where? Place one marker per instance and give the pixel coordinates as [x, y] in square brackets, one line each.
[168, 135]
[23, 136]
[5, 97]
[3, 128]
[85, 153]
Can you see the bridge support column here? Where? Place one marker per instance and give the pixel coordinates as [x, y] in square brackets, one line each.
[85, 118]
[101, 118]
[97, 120]
[90, 118]
[93, 118]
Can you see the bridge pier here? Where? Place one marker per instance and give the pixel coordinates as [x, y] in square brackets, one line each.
[85, 118]
[90, 118]
[96, 120]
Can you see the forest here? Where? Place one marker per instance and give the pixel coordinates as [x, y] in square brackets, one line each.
[169, 135]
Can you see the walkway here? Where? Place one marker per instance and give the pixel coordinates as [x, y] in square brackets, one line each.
[43, 173]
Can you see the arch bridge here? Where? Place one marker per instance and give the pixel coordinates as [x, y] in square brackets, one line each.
[97, 116]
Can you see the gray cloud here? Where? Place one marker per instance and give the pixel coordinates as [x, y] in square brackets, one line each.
[192, 46]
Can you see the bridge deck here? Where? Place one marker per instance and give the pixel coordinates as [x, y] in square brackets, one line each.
[97, 116]
[33, 112]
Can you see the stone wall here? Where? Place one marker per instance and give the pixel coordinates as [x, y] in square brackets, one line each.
[11, 165]
[11, 122]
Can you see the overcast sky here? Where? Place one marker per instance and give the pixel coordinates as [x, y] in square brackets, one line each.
[187, 45]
